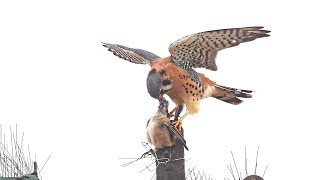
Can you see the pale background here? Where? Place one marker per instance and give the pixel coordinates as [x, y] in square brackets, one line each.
[75, 101]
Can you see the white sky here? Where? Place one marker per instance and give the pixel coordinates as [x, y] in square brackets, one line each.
[77, 102]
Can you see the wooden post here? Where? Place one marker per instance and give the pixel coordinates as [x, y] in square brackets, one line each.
[171, 169]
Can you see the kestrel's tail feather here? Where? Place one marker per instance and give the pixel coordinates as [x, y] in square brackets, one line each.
[230, 95]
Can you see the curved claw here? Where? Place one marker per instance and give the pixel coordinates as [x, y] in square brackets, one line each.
[178, 124]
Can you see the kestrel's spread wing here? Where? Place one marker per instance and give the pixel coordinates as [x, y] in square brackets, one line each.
[138, 56]
[200, 50]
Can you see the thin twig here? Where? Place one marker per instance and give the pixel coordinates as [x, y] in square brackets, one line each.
[255, 170]
[235, 165]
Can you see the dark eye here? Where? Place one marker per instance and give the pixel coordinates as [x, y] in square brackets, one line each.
[166, 82]
[162, 72]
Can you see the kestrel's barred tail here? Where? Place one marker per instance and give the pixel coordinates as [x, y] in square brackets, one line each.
[230, 95]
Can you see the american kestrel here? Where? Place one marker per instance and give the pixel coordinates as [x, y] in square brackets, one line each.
[160, 132]
[175, 76]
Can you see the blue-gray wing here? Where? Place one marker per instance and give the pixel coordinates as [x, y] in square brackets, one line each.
[138, 56]
[200, 50]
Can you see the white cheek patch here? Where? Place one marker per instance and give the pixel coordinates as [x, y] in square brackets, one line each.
[167, 87]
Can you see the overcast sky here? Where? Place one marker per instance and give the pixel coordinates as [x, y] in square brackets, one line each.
[86, 108]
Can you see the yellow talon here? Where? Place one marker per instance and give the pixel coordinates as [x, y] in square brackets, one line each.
[178, 123]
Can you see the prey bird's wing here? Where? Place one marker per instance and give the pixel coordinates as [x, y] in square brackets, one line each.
[200, 50]
[138, 56]
[175, 133]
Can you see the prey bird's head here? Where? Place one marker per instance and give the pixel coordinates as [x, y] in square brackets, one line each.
[158, 83]
[163, 106]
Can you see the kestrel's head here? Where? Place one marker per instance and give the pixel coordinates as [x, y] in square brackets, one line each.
[158, 83]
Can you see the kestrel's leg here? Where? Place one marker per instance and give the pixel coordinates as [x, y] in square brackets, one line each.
[171, 112]
[178, 123]
[177, 110]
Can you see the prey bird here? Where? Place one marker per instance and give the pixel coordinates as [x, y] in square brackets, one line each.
[160, 132]
[174, 75]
